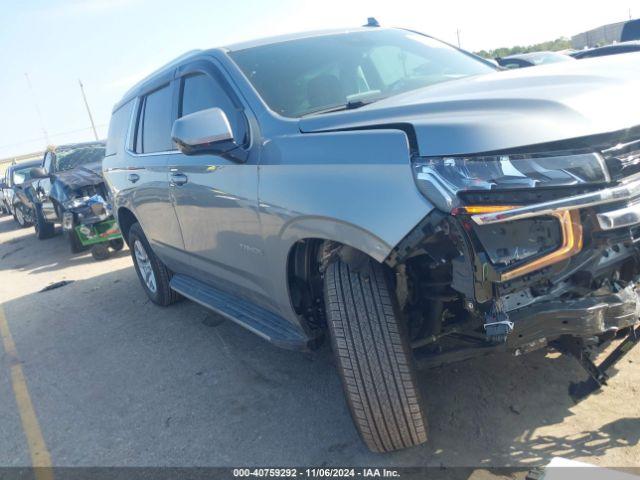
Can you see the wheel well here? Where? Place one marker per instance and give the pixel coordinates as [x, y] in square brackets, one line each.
[306, 262]
[126, 219]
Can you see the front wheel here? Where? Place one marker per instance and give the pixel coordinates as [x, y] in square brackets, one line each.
[20, 216]
[153, 274]
[373, 357]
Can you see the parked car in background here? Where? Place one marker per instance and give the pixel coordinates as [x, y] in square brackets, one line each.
[70, 176]
[523, 60]
[391, 192]
[16, 176]
[3, 182]
[615, 49]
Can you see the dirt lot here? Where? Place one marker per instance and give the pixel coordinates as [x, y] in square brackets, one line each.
[115, 380]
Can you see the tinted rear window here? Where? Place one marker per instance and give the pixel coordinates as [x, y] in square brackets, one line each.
[156, 120]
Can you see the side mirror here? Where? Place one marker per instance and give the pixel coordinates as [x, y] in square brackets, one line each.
[206, 131]
[3, 185]
[39, 172]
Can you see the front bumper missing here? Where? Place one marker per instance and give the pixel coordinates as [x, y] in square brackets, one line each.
[584, 317]
[566, 210]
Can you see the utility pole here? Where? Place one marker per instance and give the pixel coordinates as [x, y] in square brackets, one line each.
[35, 104]
[630, 13]
[86, 104]
[458, 34]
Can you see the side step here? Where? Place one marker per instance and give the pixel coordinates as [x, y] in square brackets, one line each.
[260, 321]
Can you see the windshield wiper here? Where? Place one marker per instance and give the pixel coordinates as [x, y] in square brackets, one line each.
[350, 105]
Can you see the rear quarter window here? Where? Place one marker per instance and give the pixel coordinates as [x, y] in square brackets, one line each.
[118, 128]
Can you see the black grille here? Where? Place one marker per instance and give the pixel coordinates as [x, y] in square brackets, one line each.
[623, 160]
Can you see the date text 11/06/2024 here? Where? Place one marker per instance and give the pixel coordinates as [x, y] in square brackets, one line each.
[316, 472]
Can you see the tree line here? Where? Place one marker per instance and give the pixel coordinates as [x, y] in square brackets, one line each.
[561, 43]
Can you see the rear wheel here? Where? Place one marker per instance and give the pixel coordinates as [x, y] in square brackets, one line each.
[373, 357]
[117, 244]
[153, 274]
[100, 251]
[43, 228]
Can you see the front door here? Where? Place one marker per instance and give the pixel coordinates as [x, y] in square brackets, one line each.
[215, 197]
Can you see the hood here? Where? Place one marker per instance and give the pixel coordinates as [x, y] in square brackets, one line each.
[84, 176]
[507, 109]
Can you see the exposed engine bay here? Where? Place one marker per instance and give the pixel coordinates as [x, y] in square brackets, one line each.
[517, 268]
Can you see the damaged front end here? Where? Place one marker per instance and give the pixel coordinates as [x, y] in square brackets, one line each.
[525, 250]
[86, 210]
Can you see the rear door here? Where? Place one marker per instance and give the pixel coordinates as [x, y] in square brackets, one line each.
[145, 176]
[215, 197]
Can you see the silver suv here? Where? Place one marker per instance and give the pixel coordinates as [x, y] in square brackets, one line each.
[392, 192]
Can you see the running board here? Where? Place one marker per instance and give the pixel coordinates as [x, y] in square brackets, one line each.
[258, 320]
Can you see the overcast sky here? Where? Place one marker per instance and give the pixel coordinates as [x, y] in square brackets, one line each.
[110, 44]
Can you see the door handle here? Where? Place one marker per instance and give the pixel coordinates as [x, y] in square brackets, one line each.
[178, 179]
[133, 177]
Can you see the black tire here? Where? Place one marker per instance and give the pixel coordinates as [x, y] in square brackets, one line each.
[43, 228]
[117, 244]
[163, 295]
[100, 251]
[75, 245]
[374, 357]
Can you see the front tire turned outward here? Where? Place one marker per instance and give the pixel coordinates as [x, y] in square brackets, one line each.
[153, 274]
[373, 357]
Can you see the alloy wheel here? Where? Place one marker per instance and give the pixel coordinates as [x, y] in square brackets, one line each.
[144, 265]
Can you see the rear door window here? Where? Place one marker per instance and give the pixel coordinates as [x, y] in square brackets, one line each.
[154, 122]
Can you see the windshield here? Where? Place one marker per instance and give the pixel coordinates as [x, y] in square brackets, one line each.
[299, 77]
[74, 157]
[21, 175]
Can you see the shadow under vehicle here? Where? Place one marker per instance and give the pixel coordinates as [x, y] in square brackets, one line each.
[391, 192]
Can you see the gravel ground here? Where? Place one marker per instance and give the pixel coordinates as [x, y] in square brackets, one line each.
[117, 381]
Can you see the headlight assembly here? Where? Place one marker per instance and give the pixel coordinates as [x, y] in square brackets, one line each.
[494, 172]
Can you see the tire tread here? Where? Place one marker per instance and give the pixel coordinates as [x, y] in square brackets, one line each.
[374, 357]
